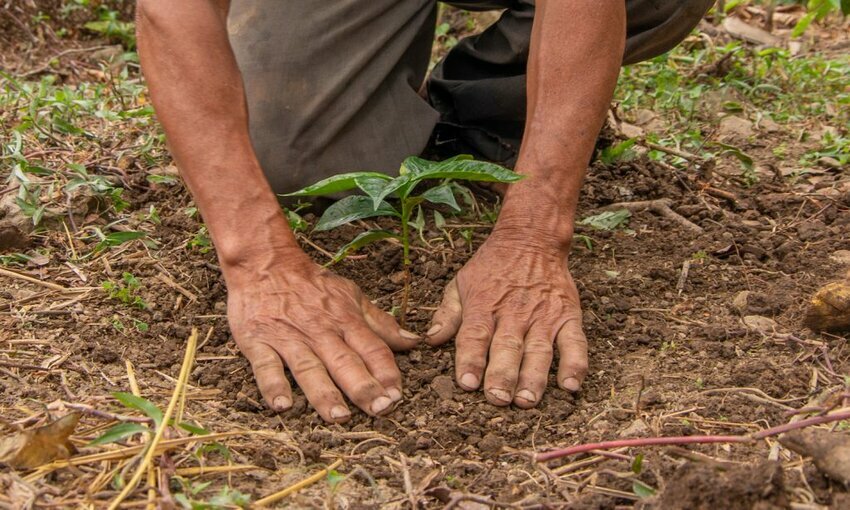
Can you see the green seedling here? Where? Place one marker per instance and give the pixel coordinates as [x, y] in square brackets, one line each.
[125, 291]
[379, 188]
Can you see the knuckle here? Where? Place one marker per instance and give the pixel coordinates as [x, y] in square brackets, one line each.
[306, 365]
[474, 331]
[508, 344]
[539, 347]
[344, 360]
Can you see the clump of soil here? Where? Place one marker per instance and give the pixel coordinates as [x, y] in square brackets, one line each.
[697, 486]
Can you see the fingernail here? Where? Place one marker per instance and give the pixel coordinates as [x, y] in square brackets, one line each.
[338, 412]
[434, 330]
[381, 404]
[572, 384]
[394, 393]
[500, 395]
[527, 395]
[281, 403]
[407, 334]
[469, 381]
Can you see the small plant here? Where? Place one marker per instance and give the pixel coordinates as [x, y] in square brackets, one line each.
[125, 291]
[379, 187]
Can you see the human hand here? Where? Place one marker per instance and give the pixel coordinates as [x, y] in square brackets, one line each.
[505, 308]
[286, 311]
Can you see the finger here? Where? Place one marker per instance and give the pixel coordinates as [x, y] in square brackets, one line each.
[505, 359]
[386, 327]
[317, 385]
[536, 362]
[572, 346]
[378, 358]
[351, 375]
[473, 340]
[271, 379]
[447, 318]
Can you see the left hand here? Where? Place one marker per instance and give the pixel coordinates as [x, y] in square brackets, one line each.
[507, 306]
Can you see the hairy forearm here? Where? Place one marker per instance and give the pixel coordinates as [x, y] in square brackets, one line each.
[197, 90]
[576, 51]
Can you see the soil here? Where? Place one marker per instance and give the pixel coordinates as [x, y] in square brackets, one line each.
[669, 351]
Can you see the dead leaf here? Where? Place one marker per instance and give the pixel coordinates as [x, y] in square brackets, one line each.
[34, 447]
[830, 451]
[829, 309]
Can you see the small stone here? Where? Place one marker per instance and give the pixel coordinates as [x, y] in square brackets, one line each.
[397, 278]
[444, 387]
[630, 130]
[491, 445]
[769, 125]
[828, 162]
[740, 302]
[733, 126]
[636, 429]
[760, 324]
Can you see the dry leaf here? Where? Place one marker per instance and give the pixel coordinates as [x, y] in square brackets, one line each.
[829, 309]
[34, 447]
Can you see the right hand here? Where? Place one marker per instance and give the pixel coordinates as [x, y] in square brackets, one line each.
[285, 310]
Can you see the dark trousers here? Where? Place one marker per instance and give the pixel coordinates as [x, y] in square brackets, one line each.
[333, 86]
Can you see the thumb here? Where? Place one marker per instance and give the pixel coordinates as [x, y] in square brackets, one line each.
[447, 318]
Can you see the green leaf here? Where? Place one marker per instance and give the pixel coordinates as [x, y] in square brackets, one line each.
[363, 239]
[374, 187]
[642, 490]
[618, 152]
[608, 220]
[439, 221]
[845, 7]
[119, 432]
[140, 404]
[803, 24]
[745, 159]
[336, 184]
[637, 464]
[459, 167]
[193, 429]
[442, 194]
[118, 238]
[352, 208]
[401, 186]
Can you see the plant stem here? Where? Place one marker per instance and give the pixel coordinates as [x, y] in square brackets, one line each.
[405, 245]
[654, 441]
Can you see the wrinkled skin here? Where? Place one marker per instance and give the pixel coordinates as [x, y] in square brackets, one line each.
[507, 306]
[291, 312]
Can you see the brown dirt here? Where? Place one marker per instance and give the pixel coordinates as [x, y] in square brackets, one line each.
[661, 352]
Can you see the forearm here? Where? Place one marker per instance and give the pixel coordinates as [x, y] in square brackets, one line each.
[197, 90]
[576, 52]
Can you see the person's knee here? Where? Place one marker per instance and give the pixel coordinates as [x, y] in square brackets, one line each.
[657, 26]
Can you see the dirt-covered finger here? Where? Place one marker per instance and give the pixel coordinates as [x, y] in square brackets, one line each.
[505, 359]
[348, 370]
[378, 358]
[537, 355]
[387, 328]
[473, 341]
[572, 347]
[267, 366]
[310, 374]
[448, 317]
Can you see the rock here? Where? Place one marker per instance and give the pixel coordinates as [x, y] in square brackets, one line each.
[444, 387]
[734, 127]
[841, 256]
[760, 324]
[828, 162]
[769, 125]
[739, 304]
[630, 130]
[636, 429]
[830, 451]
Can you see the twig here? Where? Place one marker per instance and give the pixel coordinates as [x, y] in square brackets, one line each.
[660, 207]
[681, 440]
[277, 496]
[175, 396]
[36, 281]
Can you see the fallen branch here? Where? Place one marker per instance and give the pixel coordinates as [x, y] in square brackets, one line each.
[682, 440]
[277, 496]
[660, 207]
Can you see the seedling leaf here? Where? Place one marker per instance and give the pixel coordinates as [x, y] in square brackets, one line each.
[460, 167]
[365, 238]
[608, 220]
[119, 432]
[118, 238]
[355, 207]
[637, 464]
[193, 429]
[442, 194]
[336, 184]
[642, 490]
[140, 404]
